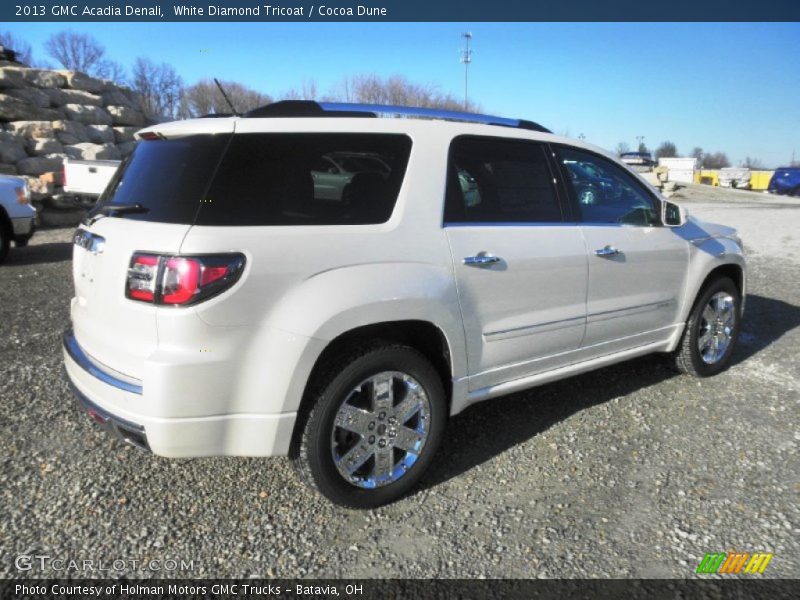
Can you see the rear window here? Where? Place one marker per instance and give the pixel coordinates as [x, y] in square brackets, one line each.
[264, 179]
[307, 179]
[166, 177]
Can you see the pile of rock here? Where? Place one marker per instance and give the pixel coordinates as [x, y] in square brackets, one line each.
[49, 115]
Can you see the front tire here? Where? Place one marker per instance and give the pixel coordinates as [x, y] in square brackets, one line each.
[712, 330]
[5, 240]
[377, 417]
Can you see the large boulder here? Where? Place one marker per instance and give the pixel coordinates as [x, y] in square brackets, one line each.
[35, 96]
[126, 148]
[29, 129]
[14, 109]
[11, 151]
[11, 77]
[81, 81]
[43, 146]
[81, 97]
[116, 97]
[72, 128]
[100, 134]
[124, 115]
[23, 77]
[36, 165]
[87, 114]
[6, 169]
[88, 151]
[40, 189]
[124, 134]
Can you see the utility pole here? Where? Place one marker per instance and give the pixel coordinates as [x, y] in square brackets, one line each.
[466, 59]
[639, 141]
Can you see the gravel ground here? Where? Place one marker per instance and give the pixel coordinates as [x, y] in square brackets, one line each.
[631, 471]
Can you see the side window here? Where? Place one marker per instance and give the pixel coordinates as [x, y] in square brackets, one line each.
[605, 192]
[500, 181]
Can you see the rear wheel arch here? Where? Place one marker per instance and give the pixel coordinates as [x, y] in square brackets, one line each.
[423, 336]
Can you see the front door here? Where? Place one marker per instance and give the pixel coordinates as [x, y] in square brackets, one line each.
[637, 267]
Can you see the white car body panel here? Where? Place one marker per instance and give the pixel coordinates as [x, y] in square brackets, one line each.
[227, 376]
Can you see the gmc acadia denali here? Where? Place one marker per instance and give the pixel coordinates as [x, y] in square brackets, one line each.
[239, 291]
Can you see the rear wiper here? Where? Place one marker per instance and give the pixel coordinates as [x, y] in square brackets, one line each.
[117, 209]
[122, 209]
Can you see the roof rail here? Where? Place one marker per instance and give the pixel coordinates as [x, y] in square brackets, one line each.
[309, 108]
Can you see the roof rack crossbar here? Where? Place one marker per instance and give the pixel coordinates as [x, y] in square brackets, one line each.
[307, 108]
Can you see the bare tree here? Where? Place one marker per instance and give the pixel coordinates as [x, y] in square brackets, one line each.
[204, 98]
[159, 88]
[21, 48]
[753, 163]
[642, 147]
[111, 69]
[396, 89]
[76, 51]
[716, 160]
[697, 152]
[666, 150]
[622, 148]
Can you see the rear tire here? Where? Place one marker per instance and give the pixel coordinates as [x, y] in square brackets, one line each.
[710, 336]
[355, 445]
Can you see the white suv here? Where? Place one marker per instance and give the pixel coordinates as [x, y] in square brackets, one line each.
[227, 305]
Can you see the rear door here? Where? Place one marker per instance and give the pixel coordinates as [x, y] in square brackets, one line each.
[167, 180]
[637, 267]
[520, 267]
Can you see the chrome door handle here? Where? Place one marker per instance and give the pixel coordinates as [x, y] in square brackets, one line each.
[607, 251]
[481, 260]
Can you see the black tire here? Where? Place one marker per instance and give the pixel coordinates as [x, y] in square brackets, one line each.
[688, 358]
[312, 453]
[5, 240]
[21, 242]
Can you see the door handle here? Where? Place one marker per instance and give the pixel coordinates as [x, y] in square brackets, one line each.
[481, 260]
[607, 251]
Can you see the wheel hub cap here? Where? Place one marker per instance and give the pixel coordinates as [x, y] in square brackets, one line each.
[380, 429]
[717, 323]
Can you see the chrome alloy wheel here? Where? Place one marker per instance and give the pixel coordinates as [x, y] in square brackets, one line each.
[380, 429]
[717, 323]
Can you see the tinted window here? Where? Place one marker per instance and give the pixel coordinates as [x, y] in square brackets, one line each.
[276, 179]
[605, 192]
[167, 177]
[498, 181]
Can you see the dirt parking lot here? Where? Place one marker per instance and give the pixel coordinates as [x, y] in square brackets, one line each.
[631, 471]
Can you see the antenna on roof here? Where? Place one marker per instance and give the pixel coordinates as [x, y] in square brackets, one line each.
[228, 100]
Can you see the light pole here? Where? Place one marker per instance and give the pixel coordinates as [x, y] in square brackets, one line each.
[466, 58]
[640, 141]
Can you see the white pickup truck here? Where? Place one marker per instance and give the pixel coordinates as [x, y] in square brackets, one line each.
[85, 180]
[17, 216]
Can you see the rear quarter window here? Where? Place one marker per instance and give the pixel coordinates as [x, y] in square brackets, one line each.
[307, 179]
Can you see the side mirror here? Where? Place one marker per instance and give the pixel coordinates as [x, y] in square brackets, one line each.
[672, 215]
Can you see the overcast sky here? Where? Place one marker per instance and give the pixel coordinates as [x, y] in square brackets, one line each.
[725, 87]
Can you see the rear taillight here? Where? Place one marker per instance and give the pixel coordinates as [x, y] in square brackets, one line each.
[181, 280]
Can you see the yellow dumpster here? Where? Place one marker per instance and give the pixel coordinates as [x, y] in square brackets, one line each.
[759, 180]
[708, 177]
